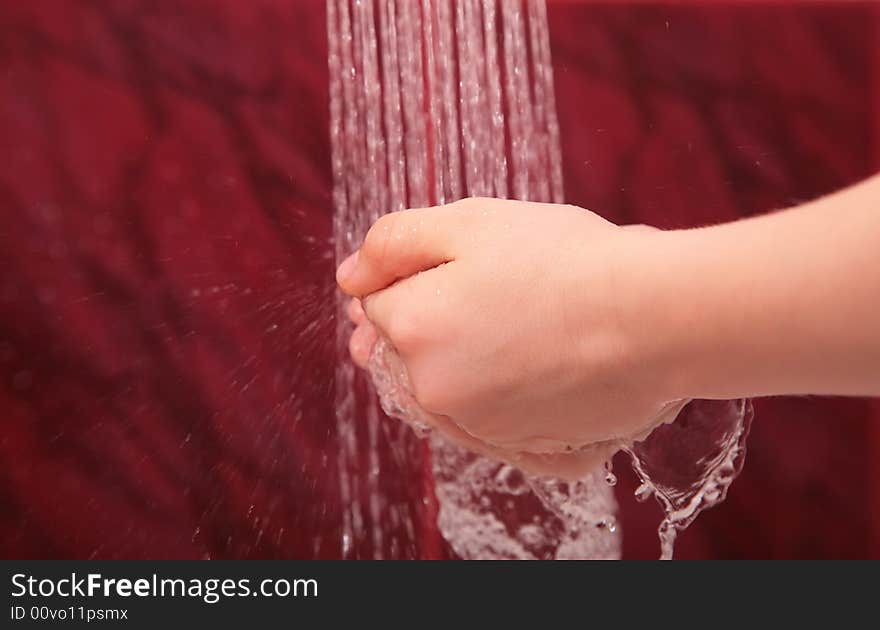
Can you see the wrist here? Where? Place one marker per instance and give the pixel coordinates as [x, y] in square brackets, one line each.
[648, 304]
[721, 306]
[773, 305]
[684, 310]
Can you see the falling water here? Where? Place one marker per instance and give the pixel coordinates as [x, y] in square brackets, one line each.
[430, 102]
[689, 464]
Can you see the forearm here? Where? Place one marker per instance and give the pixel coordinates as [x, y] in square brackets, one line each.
[787, 303]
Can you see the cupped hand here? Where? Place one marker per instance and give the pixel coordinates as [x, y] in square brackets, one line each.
[519, 324]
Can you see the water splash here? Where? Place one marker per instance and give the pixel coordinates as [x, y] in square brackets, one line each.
[688, 465]
[492, 510]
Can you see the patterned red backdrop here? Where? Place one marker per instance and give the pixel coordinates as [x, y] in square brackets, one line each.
[166, 296]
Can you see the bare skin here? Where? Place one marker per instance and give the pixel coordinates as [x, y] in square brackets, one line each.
[533, 329]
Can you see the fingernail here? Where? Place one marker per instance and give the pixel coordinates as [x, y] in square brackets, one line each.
[346, 268]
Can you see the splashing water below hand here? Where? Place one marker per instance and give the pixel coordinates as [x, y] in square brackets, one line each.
[491, 509]
[688, 465]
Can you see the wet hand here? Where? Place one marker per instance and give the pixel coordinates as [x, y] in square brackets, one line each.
[513, 321]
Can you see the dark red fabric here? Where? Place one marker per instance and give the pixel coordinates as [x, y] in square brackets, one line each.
[166, 294]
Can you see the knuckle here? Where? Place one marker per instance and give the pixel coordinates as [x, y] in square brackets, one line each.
[479, 201]
[469, 203]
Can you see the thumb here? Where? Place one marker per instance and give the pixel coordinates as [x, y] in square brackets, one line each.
[399, 245]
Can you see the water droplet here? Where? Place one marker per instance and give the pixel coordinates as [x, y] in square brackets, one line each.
[420, 428]
[610, 477]
[643, 492]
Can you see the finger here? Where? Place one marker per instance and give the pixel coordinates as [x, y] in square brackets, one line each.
[399, 311]
[401, 244]
[355, 311]
[361, 344]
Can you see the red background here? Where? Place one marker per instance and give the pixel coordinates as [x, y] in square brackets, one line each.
[166, 296]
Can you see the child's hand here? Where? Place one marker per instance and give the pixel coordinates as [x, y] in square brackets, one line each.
[508, 316]
[573, 465]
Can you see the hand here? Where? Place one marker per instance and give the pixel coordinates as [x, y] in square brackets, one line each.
[513, 321]
[364, 344]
